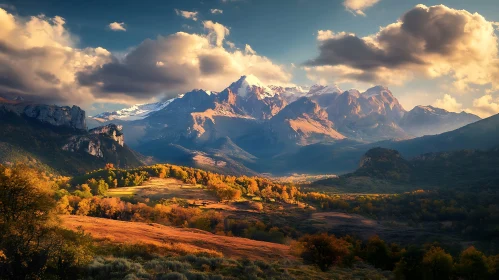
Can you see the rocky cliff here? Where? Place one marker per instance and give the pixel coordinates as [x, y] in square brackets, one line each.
[112, 131]
[72, 117]
[89, 144]
[92, 142]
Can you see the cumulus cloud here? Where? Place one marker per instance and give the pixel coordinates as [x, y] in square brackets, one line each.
[448, 103]
[38, 60]
[357, 7]
[217, 31]
[187, 14]
[177, 63]
[216, 11]
[485, 106]
[429, 42]
[117, 26]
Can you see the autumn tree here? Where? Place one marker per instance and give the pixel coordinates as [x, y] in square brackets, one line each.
[473, 264]
[437, 264]
[378, 253]
[109, 166]
[26, 207]
[410, 266]
[30, 240]
[323, 250]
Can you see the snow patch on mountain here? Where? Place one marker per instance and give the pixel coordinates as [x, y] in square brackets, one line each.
[321, 89]
[135, 112]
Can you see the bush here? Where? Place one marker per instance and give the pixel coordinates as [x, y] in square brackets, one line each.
[173, 276]
[322, 250]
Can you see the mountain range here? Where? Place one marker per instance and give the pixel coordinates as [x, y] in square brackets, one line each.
[247, 128]
[250, 127]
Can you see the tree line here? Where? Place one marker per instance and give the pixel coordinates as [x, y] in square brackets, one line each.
[430, 262]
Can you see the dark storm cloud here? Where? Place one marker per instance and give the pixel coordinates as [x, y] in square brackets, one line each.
[212, 64]
[356, 52]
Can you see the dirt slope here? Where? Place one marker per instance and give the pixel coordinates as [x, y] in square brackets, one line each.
[192, 239]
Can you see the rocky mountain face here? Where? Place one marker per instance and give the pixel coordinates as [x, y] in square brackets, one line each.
[256, 99]
[304, 122]
[369, 116]
[428, 120]
[72, 117]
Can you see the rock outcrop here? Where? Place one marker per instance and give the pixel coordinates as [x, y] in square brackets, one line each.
[92, 142]
[89, 144]
[112, 131]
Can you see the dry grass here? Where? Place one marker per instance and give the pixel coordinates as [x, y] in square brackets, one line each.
[157, 188]
[178, 239]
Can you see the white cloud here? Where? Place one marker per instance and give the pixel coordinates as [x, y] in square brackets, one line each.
[117, 26]
[357, 7]
[323, 35]
[217, 31]
[448, 103]
[187, 14]
[230, 44]
[39, 60]
[249, 50]
[485, 106]
[426, 42]
[216, 11]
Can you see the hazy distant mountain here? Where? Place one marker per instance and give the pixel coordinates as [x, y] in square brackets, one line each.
[428, 120]
[482, 135]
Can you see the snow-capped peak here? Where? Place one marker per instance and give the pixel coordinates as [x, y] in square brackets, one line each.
[252, 80]
[251, 84]
[135, 112]
[320, 89]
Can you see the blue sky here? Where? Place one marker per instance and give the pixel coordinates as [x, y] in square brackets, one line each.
[284, 31]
